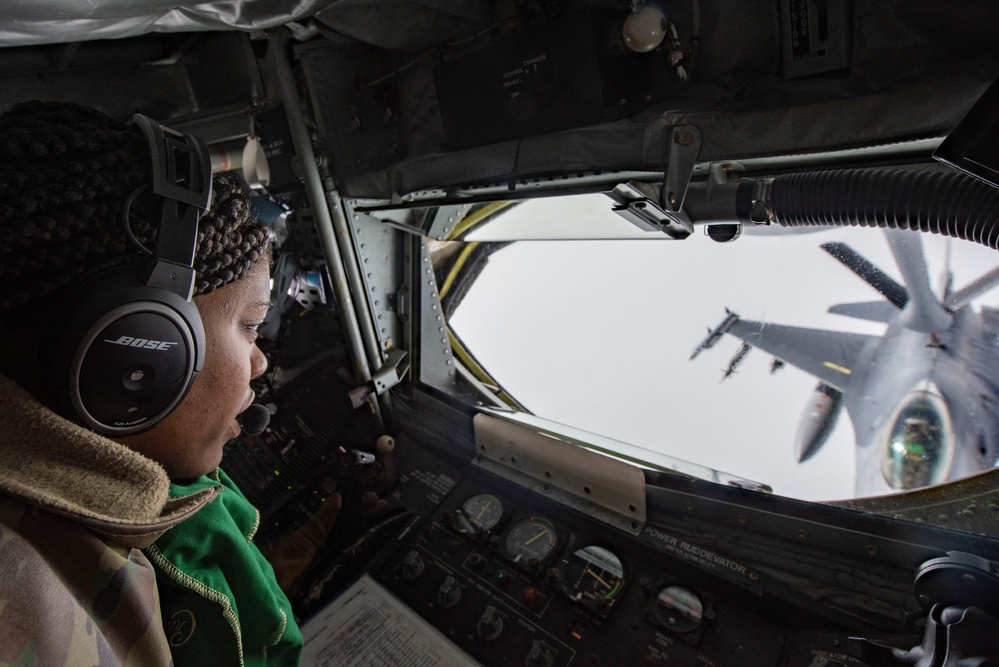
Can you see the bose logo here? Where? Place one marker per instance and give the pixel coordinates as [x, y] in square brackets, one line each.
[128, 341]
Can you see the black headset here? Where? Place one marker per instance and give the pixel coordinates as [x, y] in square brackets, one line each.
[133, 340]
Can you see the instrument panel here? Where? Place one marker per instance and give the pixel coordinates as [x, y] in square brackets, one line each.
[590, 575]
[516, 579]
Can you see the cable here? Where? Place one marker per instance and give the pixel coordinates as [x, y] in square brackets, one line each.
[126, 225]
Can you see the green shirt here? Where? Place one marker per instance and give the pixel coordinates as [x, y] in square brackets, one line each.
[221, 604]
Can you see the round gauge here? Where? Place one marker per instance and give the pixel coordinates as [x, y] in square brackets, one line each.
[595, 574]
[678, 609]
[483, 511]
[531, 541]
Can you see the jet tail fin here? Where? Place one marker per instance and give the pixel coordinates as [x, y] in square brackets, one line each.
[871, 311]
[973, 290]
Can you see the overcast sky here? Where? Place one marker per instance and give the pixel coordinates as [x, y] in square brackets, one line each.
[597, 334]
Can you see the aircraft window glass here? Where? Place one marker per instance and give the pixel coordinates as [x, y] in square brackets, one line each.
[598, 335]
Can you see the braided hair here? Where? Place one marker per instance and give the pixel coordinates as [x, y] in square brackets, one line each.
[65, 173]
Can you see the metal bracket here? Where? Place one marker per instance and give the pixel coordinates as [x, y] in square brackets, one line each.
[444, 220]
[684, 146]
[605, 488]
[360, 458]
[389, 375]
[640, 204]
[392, 371]
[761, 212]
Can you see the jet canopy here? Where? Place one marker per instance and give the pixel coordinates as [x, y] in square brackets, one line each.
[919, 448]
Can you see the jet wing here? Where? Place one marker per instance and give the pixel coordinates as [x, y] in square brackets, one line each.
[830, 356]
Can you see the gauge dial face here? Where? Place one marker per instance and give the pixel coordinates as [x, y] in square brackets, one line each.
[483, 511]
[531, 541]
[594, 574]
[679, 609]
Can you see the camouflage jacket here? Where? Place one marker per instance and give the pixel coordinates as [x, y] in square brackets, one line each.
[75, 511]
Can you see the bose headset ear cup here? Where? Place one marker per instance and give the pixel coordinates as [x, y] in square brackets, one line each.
[134, 341]
[128, 354]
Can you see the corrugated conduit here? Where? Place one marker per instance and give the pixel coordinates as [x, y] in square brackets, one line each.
[943, 202]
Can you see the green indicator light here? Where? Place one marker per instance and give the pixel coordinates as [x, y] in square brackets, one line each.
[500, 576]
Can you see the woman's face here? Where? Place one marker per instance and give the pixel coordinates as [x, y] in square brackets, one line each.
[188, 443]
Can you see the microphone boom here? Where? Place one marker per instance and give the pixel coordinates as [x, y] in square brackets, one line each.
[254, 419]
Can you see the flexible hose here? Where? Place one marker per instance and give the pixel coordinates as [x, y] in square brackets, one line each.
[943, 202]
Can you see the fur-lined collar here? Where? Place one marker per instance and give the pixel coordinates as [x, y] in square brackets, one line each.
[51, 463]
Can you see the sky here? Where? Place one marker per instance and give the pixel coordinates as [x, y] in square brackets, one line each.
[597, 334]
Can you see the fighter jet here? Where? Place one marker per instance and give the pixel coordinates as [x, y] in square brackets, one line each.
[923, 397]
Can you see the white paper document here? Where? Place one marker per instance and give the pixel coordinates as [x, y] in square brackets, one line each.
[366, 626]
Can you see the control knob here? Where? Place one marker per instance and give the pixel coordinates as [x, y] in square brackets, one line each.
[490, 624]
[539, 655]
[449, 593]
[412, 565]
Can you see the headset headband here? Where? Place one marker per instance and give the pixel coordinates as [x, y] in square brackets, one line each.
[182, 180]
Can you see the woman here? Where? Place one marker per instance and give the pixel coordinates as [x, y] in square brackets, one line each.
[89, 524]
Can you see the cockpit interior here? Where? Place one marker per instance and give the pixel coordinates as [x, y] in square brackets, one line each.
[400, 150]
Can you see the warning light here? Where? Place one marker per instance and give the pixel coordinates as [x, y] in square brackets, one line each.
[531, 596]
